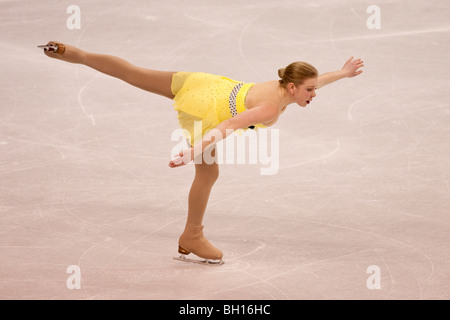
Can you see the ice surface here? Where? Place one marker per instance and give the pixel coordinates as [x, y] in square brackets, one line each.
[364, 171]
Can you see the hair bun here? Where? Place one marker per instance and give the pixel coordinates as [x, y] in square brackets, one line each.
[281, 72]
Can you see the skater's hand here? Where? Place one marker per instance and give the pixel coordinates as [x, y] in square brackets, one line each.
[184, 157]
[71, 54]
[351, 67]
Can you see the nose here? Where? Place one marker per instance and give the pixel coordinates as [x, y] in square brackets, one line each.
[313, 94]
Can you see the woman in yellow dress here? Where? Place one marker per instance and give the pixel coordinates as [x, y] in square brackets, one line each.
[220, 105]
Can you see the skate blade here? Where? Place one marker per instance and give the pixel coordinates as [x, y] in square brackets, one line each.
[49, 47]
[204, 261]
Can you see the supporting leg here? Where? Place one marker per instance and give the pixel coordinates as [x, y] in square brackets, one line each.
[205, 177]
[192, 239]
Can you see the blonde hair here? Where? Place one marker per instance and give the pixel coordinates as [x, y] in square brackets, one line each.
[297, 73]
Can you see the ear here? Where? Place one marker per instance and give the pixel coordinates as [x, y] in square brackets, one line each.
[291, 88]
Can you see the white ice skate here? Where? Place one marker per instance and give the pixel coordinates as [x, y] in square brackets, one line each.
[193, 241]
[183, 253]
[54, 47]
[208, 262]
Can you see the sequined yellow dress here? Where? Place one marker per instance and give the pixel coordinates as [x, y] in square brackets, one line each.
[204, 100]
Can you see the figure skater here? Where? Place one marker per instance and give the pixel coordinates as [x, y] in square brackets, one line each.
[220, 105]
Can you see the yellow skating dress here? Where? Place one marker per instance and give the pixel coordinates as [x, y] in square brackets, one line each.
[207, 100]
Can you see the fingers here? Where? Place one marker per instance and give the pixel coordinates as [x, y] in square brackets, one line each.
[183, 158]
[177, 162]
[355, 73]
[174, 165]
[355, 61]
[358, 63]
[351, 66]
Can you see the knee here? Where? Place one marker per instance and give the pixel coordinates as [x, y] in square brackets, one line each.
[214, 175]
[208, 174]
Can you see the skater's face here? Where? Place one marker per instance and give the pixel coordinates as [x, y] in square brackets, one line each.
[305, 92]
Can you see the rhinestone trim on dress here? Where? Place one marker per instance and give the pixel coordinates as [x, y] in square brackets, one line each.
[232, 100]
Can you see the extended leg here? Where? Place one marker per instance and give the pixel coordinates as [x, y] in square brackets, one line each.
[155, 81]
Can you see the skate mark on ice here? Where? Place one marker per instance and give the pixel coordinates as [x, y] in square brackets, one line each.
[329, 154]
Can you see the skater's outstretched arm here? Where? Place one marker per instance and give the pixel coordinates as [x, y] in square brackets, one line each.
[154, 81]
[349, 70]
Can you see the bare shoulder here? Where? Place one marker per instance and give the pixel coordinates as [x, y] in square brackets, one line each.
[263, 98]
[262, 94]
